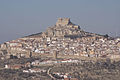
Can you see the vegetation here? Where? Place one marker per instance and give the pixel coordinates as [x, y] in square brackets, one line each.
[100, 70]
[85, 70]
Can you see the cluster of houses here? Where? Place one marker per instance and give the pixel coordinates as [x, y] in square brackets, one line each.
[47, 62]
[17, 66]
[64, 76]
[21, 66]
[35, 70]
[85, 46]
[90, 45]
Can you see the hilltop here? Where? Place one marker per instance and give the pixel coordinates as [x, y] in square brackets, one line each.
[65, 28]
[62, 39]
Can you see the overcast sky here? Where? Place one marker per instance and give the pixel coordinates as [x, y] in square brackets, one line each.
[19, 18]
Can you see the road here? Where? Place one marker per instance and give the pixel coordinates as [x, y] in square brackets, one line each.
[48, 72]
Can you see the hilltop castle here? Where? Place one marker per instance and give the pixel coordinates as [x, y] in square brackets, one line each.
[63, 21]
[63, 27]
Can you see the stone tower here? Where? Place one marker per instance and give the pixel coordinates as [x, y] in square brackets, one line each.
[63, 21]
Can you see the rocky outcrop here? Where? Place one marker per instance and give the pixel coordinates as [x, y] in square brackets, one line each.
[65, 28]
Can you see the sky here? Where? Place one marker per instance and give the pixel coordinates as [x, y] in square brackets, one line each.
[20, 18]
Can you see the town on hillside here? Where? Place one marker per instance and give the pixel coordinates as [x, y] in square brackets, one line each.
[63, 38]
[63, 52]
